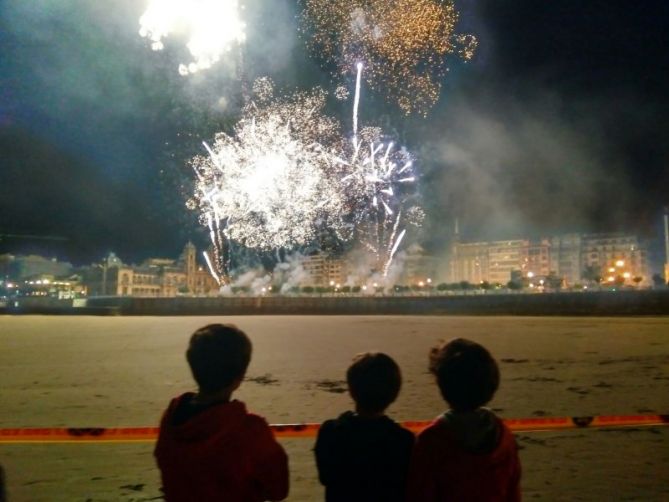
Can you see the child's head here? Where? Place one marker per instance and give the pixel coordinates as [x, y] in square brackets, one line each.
[218, 355]
[467, 375]
[374, 381]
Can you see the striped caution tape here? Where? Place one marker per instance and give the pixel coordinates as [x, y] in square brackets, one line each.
[143, 434]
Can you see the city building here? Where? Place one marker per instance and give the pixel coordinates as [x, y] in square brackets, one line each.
[495, 261]
[418, 267]
[63, 288]
[504, 257]
[469, 262]
[324, 270]
[615, 258]
[565, 257]
[155, 277]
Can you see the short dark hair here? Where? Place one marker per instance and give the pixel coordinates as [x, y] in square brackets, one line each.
[218, 354]
[374, 380]
[467, 375]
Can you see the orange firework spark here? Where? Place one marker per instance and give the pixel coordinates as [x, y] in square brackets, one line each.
[403, 43]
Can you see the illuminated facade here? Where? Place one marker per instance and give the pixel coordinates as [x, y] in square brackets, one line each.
[324, 270]
[469, 262]
[419, 267]
[619, 258]
[156, 277]
[565, 257]
[616, 258]
[495, 261]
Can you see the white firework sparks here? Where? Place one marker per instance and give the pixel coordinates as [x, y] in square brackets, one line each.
[213, 27]
[376, 186]
[270, 185]
[286, 173]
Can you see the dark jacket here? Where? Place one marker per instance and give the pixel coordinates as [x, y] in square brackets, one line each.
[465, 457]
[219, 452]
[362, 459]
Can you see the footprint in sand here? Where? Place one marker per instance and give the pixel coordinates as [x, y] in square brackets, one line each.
[334, 386]
[265, 379]
[135, 488]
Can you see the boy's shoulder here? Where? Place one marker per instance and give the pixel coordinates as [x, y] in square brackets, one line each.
[231, 415]
[350, 423]
[478, 432]
[448, 420]
[256, 422]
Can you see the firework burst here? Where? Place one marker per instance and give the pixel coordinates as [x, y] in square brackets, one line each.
[212, 26]
[378, 186]
[403, 43]
[269, 185]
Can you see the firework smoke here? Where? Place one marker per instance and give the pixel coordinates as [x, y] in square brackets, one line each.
[403, 43]
[213, 26]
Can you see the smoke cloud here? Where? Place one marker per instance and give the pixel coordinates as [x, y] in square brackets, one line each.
[523, 166]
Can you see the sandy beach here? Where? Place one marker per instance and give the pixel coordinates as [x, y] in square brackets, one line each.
[122, 371]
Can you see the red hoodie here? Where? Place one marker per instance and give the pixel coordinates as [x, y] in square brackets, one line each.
[219, 452]
[462, 457]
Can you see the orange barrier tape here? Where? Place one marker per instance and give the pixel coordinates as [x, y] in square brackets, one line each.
[139, 434]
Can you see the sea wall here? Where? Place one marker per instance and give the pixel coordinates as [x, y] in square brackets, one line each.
[601, 303]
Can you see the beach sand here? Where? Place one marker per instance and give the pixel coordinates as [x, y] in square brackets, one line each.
[122, 371]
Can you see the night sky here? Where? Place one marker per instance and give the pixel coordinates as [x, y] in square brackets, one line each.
[560, 123]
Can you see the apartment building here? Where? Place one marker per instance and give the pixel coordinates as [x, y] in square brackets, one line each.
[616, 257]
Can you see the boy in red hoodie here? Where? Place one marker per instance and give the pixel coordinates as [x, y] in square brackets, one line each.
[467, 453]
[209, 447]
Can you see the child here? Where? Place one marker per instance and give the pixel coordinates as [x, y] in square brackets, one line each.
[209, 447]
[467, 453]
[364, 455]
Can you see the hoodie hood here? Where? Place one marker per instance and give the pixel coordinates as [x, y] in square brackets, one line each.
[187, 421]
[475, 431]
